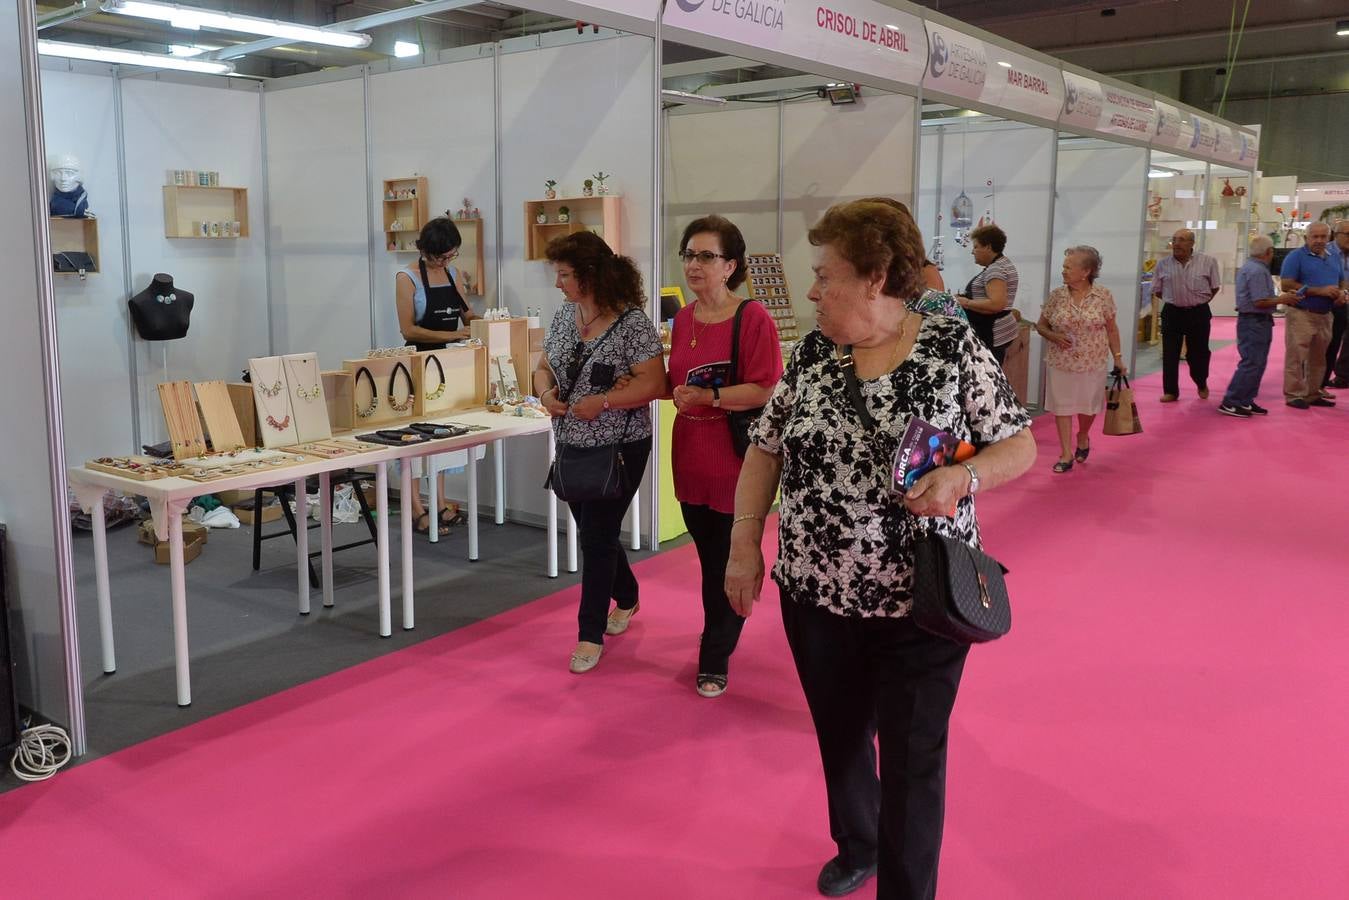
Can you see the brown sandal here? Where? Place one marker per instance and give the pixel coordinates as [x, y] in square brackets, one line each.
[423, 525]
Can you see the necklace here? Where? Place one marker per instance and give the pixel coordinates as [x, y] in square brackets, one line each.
[440, 388]
[693, 341]
[368, 411]
[584, 325]
[405, 404]
[279, 425]
[310, 394]
[270, 393]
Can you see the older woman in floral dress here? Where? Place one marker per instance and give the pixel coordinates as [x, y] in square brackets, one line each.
[1078, 321]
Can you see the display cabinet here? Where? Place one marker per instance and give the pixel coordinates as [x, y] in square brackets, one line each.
[73, 236]
[205, 212]
[547, 219]
[405, 212]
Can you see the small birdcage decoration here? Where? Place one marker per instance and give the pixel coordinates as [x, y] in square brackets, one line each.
[962, 211]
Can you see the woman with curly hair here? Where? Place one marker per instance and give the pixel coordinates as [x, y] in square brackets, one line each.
[599, 335]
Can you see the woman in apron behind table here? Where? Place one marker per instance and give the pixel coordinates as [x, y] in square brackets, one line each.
[431, 313]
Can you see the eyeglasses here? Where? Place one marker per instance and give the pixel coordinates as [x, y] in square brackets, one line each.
[444, 257]
[704, 257]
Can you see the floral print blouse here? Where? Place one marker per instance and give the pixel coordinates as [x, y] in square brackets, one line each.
[1083, 321]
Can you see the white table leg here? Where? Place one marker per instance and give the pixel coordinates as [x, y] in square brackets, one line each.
[636, 528]
[326, 534]
[499, 467]
[430, 471]
[472, 504]
[571, 541]
[302, 544]
[405, 511]
[101, 580]
[178, 585]
[552, 514]
[382, 550]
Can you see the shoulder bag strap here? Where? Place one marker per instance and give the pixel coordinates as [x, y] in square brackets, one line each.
[855, 389]
[590, 351]
[735, 342]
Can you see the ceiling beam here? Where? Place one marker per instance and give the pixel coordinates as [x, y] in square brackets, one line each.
[69, 14]
[765, 86]
[416, 11]
[704, 66]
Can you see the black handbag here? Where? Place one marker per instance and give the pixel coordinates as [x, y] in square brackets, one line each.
[959, 592]
[579, 474]
[739, 420]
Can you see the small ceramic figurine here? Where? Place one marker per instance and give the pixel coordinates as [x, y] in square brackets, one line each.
[600, 177]
[541, 218]
[1227, 188]
[564, 214]
[549, 191]
[588, 188]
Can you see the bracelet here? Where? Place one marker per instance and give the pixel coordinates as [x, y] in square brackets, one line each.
[744, 517]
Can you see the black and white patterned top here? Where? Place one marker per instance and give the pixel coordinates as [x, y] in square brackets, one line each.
[845, 540]
[633, 340]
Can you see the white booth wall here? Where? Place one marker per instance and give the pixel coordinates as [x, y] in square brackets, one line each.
[1019, 159]
[1100, 189]
[728, 161]
[26, 498]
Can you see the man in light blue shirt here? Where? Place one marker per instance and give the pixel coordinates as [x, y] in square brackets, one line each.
[1337, 356]
[1255, 328]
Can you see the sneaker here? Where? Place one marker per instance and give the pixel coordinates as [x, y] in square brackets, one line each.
[1322, 401]
[1326, 395]
[1256, 410]
[1298, 403]
[1236, 412]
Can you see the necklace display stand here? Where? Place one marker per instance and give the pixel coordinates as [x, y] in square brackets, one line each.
[272, 394]
[453, 378]
[221, 424]
[369, 412]
[767, 283]
[182, 419]
[309, 407]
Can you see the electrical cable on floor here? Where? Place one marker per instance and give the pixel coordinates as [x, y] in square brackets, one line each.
[42, 751]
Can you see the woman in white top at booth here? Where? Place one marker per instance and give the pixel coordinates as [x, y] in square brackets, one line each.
[431, 313]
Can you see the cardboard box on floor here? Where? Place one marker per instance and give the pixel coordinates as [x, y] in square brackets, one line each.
[270, 513]
[194, 538]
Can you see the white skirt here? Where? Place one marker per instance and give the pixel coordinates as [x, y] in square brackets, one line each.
[1074, 393]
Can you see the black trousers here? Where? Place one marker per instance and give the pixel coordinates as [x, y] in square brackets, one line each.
[605, 573]
[886, 679]
[1191, 325]
[1337, 360]
[711, 533]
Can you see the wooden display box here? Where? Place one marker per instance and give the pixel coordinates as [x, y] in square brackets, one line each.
[598, 214]
[246, 411]
[506, 337]
[337, 393]
[470, 260]
[74, 235]
[465, 379]
[380, 369]
[186, 208]
[410, 213]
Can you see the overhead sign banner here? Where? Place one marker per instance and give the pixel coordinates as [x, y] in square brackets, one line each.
[1225, 149]
[1248, 149]
[956, 63]
[857, 35]
[1083, 101]
[1126, 114]
[1020, 84]
[1204, 139]
[1326, 192]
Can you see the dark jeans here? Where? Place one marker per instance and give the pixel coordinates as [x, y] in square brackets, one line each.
[885, 677]
[1337, 361]
[1254, 333]
[711, 533]
[1191, 325]
[605, 573]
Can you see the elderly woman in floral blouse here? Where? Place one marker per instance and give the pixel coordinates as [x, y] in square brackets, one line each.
[1078, 321]
[846, 538]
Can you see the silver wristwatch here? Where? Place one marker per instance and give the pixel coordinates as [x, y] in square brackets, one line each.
[974, 478]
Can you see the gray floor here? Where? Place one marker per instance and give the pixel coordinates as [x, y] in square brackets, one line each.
[248, 640]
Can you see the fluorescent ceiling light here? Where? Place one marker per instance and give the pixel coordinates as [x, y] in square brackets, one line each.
[131, 58]
[193, 18]
[1342, 28]
[186, 50]
[685, 97]
[406, 48]
[1158, 173]
[1004, 64]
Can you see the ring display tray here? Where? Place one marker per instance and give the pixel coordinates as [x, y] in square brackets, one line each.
[136, 468]
[284, 460]
[335, 448]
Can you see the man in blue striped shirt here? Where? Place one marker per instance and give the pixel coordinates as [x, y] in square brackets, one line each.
[1186, 281]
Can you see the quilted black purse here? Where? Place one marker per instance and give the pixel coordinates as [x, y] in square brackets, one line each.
[739, 420]
[958, 591]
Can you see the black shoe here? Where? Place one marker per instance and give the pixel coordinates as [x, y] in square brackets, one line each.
[1298, 403]
[1236, 412]
[1256, 410]
[836, 881]
[1339, 383]
[1322, 401]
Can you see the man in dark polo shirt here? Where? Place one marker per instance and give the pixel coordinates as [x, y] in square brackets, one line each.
[1315, 276]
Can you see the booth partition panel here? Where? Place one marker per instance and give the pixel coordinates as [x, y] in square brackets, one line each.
[80, 118]
[171, 126]
[319, 239]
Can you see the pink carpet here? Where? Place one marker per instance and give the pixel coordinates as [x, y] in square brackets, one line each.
[1167, 720]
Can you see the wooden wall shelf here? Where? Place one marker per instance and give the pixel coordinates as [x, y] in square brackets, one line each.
[601, 214]
[409, 212]
[470, 260]
[77, 235]
[188, 208]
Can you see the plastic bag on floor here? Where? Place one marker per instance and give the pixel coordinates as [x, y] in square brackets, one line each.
[117, 510]
[220, 517]
[345, 507]
[313, 507]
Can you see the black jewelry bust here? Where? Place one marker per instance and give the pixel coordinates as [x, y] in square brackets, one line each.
[161, 311]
